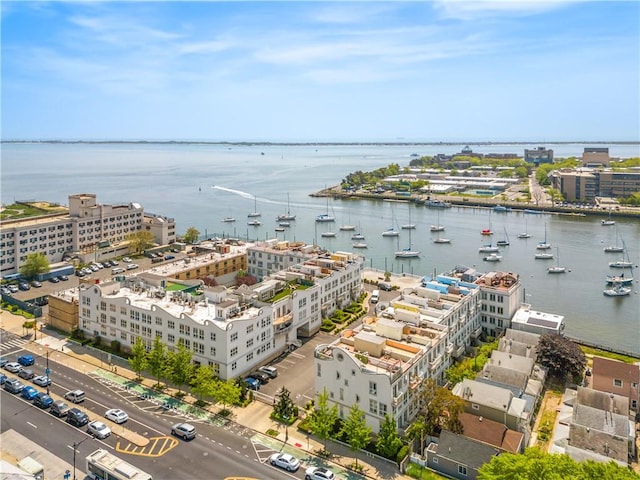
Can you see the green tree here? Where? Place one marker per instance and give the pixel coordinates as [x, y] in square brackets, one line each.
[204, 383]
[138, 359]
[536, 464]
[284, 407]
[157, 359]
[417, 431]
[140, 241]
[180, 368]
[192, 235]
[227, 392]
[561, 356]
[440, 408]
[35, 264]
[28, 325]
[388, 442]
[323, 418]
[356, 431]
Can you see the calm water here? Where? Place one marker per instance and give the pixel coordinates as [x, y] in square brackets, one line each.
[199, 185]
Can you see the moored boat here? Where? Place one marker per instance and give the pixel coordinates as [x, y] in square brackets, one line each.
[488, 249]
[359, 245]
[543, 256]
[494, 257]
[617, 290]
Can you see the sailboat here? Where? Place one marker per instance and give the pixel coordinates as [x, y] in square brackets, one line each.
[348, 227]
[359, 245]
[407, 252]
[615, 248]
[622, 263]
[607, 222]
[286, 216]
[617, 290]
[255, 212]
[440, 239]
[391, 231]
[408, 226]
[543, 245]
[493, 257]
[325, 217]
[488, 249]
[557, 268]
[505, 241]
[487, 231]
[524, 234]
[437, 227]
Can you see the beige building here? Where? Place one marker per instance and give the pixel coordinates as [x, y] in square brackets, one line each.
[89, 230]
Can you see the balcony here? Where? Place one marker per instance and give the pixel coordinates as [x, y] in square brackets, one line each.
[450, 348]
[436, 362]
[476, 333]
[458, 352]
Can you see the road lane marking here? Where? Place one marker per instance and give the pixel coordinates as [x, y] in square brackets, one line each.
[34, 426]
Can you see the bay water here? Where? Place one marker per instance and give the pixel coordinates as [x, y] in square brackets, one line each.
[199, 184]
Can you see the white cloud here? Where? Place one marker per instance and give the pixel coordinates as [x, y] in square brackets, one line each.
[472, 10]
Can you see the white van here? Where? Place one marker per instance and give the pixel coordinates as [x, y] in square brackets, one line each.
[75, 396]
[375, 296]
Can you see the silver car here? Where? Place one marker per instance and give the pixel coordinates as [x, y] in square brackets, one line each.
[98, 429]
[284, 460]
[184, 430]
[13, 367]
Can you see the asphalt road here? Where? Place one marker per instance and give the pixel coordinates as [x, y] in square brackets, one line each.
[216, 452]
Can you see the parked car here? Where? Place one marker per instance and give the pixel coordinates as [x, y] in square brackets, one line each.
[42, 381]
[252, 383]
[26, 360]
[169, 257]
[43, 400]
[106, 263]
[77, 417]
[184, 430]
[3, 378]
[262, 377]
[28, 393]
[3, 361]
[80, 273]
[13, 385]
[63, 278]
[131, 266]
[114, 263]
[5, 291]
[36, 284]
[54, 280]
[24, 286]
[284, 460]
[59, 408]
[126, 260]
[318, 473]
[116, 415]
[385, 286]
[269, 370]
[75, 396]
[98, 429]
[13, 367]
[26, 373]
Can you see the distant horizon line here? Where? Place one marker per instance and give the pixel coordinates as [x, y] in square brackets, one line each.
[325, 142]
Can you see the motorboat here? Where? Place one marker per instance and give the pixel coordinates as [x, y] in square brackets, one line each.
[442, 240]
[328, 234]
[494, 257]
[347, 228]
[408, 226]
[489, 249]
[228, 220]
[618, 290]
[359, 245]
[357, 236]
[543, 256]
[280, 229]
[254, 223]
[284, 224]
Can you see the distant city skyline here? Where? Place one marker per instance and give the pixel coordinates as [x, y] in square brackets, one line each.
[350, 71]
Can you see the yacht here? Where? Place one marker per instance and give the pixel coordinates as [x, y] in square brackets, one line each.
[494, 257]
[488, 249]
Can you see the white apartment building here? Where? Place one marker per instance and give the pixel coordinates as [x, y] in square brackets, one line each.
[232, 330]
[381, 365]
[265, 258]
[87, 229]
[501, 296]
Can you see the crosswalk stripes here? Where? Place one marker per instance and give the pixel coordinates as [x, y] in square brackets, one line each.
[10, 345]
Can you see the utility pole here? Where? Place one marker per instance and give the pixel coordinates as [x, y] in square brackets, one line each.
[75, 446]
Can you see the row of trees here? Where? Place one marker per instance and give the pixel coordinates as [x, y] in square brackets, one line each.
[176, 366]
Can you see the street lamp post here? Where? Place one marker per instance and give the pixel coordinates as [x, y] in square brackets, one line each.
[75, 446]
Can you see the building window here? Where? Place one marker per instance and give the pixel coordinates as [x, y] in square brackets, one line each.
[475, 406]
[373, 388]
[617, 382]
[462, 470]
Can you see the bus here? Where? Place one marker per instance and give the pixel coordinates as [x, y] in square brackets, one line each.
[102, 465]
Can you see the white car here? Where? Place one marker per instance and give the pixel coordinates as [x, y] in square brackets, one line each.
[42, 380]
[116, 415]
[284, 460]
[98, 429]
[184, 430]
[131, 266]
[13, 367]
[318, 473]
[126, 260]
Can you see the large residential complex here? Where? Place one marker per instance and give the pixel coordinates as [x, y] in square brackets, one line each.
[232, 329]
[88, 230]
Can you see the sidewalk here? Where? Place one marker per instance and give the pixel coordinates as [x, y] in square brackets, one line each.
[255, 416]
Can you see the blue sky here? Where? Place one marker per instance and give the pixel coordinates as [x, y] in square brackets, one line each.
[315, 71]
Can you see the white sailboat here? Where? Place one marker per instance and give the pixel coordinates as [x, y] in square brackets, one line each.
[494, 257]
[391, 231]
[359, 245]
[543, 245]
[325, 217]
[617, 290]
[408, 226]
[286, 216]
[623, 262]
[607, 222]
[524, 234]
[615, 248]
[488, 249]
[437, 227]
[407, 252]
[557, 268]
[347, 227]
[255, 212]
